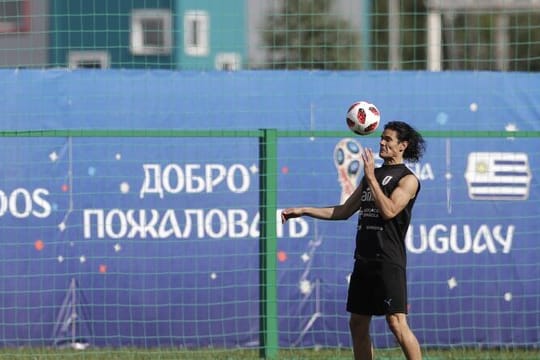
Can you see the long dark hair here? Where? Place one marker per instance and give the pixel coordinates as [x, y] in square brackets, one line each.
[405, 132]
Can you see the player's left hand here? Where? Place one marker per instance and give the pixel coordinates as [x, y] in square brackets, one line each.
[369, 162]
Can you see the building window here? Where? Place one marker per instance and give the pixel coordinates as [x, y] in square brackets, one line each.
[228, 61]
[196, 33]
[14, 16]
[151, 32]
[89, 60]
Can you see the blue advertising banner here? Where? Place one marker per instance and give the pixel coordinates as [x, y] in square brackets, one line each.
[468, 231]
[146, 241]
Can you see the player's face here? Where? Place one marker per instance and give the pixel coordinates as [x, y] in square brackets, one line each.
[390, 148]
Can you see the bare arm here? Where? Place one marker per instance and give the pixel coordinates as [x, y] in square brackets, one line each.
[389, 207]
[335, 212]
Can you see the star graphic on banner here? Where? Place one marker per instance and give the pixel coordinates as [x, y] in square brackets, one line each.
[452, 283]
[66, 187]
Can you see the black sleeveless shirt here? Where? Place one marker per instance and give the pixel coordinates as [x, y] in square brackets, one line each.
[376, 238]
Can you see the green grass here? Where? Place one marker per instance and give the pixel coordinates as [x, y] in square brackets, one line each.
[242, 354]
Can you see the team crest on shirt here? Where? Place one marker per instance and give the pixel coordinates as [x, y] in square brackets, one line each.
[386, 180]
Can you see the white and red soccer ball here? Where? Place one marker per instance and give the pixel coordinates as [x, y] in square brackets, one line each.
[363, 118]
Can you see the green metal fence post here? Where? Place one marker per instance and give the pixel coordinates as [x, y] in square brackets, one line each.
[267, 247]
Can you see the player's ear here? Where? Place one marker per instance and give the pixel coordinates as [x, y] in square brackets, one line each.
[403, 145]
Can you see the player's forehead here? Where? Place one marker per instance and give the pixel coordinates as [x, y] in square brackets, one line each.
[389, 134]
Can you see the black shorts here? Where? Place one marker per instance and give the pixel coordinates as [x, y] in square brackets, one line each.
[377, 288]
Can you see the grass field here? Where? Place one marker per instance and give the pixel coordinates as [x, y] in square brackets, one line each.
[239, 354]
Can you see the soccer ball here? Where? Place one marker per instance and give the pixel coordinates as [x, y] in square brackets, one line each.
[363, 118]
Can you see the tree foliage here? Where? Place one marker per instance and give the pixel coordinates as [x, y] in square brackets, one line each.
[303, 34]
[306, 34]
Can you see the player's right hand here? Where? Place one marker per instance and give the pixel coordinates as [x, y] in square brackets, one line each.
[288, 214]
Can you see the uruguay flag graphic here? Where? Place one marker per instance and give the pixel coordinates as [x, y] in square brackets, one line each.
[498, 176]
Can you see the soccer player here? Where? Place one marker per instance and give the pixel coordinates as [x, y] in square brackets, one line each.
[384, 199]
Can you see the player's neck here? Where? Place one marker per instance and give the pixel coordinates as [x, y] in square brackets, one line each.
[392, 161]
